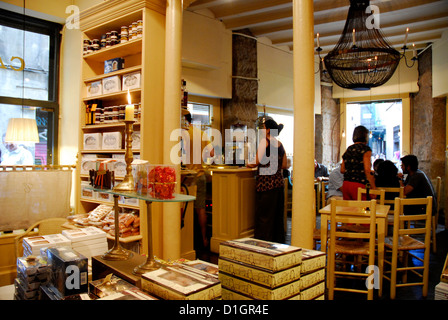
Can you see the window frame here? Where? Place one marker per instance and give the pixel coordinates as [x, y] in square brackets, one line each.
[53, 30]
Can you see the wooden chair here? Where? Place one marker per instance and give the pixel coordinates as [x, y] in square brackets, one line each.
[323, 193]
[403, 241]
[435, 219]
[389, 199]
[344, 242]
[44, 227]
[380, 194]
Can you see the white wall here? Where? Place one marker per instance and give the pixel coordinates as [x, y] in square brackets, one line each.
[275, 71]
[206, 56]
[440, 66]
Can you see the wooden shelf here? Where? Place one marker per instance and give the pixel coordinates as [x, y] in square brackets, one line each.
[116, 51]
[115, 125]
[116, 95]
[109, 151]
[109, 203]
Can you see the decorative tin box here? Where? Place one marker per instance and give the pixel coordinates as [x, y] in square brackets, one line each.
[94, 89]
[257, 291]
[258, 275]
[131, 81]
[264, 254]
[111, 85]
[174, 283]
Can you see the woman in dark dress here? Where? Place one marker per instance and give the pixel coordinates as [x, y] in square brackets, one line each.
[356, 165]
[269, 198]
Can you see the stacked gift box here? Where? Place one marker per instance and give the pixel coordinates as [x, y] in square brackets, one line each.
[89, 241]
[312, 278]
[196, 280]
[32, 272]
[32, 245]
[257, 269]
[441, 289]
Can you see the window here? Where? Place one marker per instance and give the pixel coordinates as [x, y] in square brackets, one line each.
[29, 59]
[286, 136]
[384, 121]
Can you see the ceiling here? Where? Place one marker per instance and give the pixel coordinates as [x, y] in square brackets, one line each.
[426, 19]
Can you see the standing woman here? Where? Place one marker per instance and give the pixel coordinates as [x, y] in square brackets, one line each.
[271, 160]
[356, 165]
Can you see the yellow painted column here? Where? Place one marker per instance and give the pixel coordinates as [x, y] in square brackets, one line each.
[303, 215]
[173, 45]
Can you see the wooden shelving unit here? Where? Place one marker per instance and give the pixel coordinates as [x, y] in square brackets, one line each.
[140, 55]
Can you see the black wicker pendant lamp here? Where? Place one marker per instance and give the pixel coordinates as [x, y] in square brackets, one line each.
[362, 59]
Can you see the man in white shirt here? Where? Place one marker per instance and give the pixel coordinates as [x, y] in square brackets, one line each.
[16, 155]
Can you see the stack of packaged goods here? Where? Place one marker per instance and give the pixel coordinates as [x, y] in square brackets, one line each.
[441, 289]
[312, 278]
[32, 272]
[196, 280]
[68, 271]
[128, 224]
[89, 241]
[32, 245]
[255, 269]
[115, 288]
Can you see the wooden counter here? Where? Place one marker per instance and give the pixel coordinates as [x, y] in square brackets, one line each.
[233, 198]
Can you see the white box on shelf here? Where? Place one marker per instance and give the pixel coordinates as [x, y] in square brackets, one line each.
[131, 201]
[111, 84]
[131, 81]
[112, 141]
[103, 196]
[87, 164]
[92, 141]
[94, 89]
[87, 193]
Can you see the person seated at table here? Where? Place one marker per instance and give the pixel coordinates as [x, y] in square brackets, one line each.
[376, 164]
[335, 182]
[416, 184]
[320, 171]
[387, 175]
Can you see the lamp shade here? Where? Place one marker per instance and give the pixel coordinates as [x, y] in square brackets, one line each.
[22, 130]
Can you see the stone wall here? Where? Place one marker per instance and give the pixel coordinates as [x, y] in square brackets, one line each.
[327, 128]
[242, 108]
[428, 114]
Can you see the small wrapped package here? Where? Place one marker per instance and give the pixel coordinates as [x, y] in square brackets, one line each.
[69, 270]
[140, 170]
[162, 181]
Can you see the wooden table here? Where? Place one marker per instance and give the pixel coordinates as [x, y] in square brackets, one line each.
[381, 221]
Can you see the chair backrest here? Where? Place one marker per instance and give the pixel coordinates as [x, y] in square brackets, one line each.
[380, 194]
[413, 224]
[323, 193]
[437, 184]
[391, 194]
[356, 212]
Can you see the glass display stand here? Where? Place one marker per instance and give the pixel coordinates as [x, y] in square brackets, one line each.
[119, 253]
